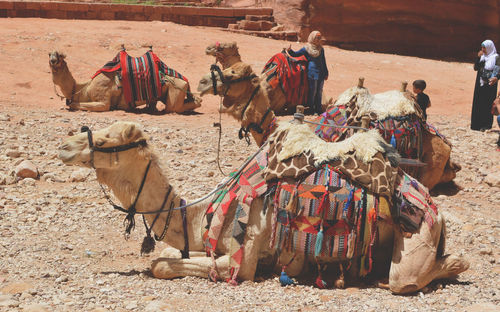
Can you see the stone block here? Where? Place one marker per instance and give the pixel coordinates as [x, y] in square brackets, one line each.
[6, 5]
[249, 25]
[269, 18]
[233, 26]
[73, 7]
[266, 25]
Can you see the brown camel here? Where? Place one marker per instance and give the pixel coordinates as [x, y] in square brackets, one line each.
[104, 92]
[227, 55]
[416, 261]
[357, 102]
[436, 152]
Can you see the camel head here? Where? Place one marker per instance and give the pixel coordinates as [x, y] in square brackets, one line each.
[226, 53]
[56, 60]
[236, 85]
[128, 136]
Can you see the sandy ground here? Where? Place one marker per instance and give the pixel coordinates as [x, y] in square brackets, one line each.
[62, 246]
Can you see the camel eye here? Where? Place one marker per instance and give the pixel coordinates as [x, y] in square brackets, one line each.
[99, 142]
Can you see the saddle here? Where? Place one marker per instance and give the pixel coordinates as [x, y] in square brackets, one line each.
[141, 77]
[290, 74]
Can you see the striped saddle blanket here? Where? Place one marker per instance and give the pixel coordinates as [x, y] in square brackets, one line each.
[290, 74]
[141, 77]
[327, 216]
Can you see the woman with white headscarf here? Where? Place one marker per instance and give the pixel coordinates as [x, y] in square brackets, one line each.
[485, 89]
[317, 72]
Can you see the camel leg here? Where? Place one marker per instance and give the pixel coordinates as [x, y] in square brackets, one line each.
[173, 253]
[90, 106]
[168, 268]
[417, 261]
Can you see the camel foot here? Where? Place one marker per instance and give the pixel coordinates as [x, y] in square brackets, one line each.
[339, 283]
[384, 284]
[451, 266]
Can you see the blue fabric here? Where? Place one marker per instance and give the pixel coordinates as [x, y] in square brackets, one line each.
[316, 66]
[498, 120]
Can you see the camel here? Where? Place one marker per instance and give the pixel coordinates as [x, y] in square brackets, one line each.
[104, 92]
[356, 102]
[227, 55]
[436, 152]
[416, 260]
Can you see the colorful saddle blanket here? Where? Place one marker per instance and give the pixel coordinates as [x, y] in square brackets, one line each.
[290, 74]
[327, 216]
[141, 77]
[246, 186]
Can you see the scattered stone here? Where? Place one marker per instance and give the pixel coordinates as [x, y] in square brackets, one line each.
[26, 169]
[80, 175]
[14, 153]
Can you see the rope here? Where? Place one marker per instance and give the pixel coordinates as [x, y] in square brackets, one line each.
[219, 125]
[332, 126]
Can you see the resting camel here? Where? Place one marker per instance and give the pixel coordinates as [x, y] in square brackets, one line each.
[357, 102]
[125, 162]
[436, 152]
[227, 55]
[104, 92]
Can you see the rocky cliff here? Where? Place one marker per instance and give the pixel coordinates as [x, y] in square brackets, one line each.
[444, 29]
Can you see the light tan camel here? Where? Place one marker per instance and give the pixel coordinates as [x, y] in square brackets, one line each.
[436, 153]
[416, 261]
[227, 55]
[104, 92]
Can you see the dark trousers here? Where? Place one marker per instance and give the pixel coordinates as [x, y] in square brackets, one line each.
[315, 94]
[481, 117]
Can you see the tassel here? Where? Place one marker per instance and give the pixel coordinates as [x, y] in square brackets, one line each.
[148, 244]
[130, 223]
[351, 244]
[393, 141]
[292, 204]
[285, 280]
[320, 283]
[325, 202]
[319, 242]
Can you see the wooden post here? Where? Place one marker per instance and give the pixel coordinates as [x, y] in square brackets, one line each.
[361, 82]
[365, 122]
[298, 117]
[404, 84]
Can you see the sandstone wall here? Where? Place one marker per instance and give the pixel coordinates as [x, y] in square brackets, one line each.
[445, 29]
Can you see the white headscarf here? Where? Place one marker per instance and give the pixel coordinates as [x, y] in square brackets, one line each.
[312, 47]
[489, 57]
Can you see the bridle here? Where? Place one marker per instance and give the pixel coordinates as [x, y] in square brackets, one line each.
[244, 131]
[226, 83]
[148, 242]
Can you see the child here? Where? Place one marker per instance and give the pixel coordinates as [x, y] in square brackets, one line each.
[422, 99]
[317, 72]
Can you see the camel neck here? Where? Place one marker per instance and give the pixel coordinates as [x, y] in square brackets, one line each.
[260, 120]
[63, 78]
[125, 185]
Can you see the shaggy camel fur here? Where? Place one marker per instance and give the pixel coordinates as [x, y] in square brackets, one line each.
[227, 54]
[104, 92]
[416, 261]
[436, 152]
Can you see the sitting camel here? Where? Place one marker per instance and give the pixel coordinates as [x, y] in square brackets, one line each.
[399, 119]
[435, 151]
[138, 181]
[227, 54]
[104, 92]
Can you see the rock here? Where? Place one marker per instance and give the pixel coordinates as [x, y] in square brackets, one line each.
[13, 153]
[80, 175]
[493, 179]
[26, 169]
[8, 301]
[6, 179]
[157, 305]
[4, 117]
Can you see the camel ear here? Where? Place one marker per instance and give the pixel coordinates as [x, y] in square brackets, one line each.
[255, 81]
[131, 133]
[62, 55]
